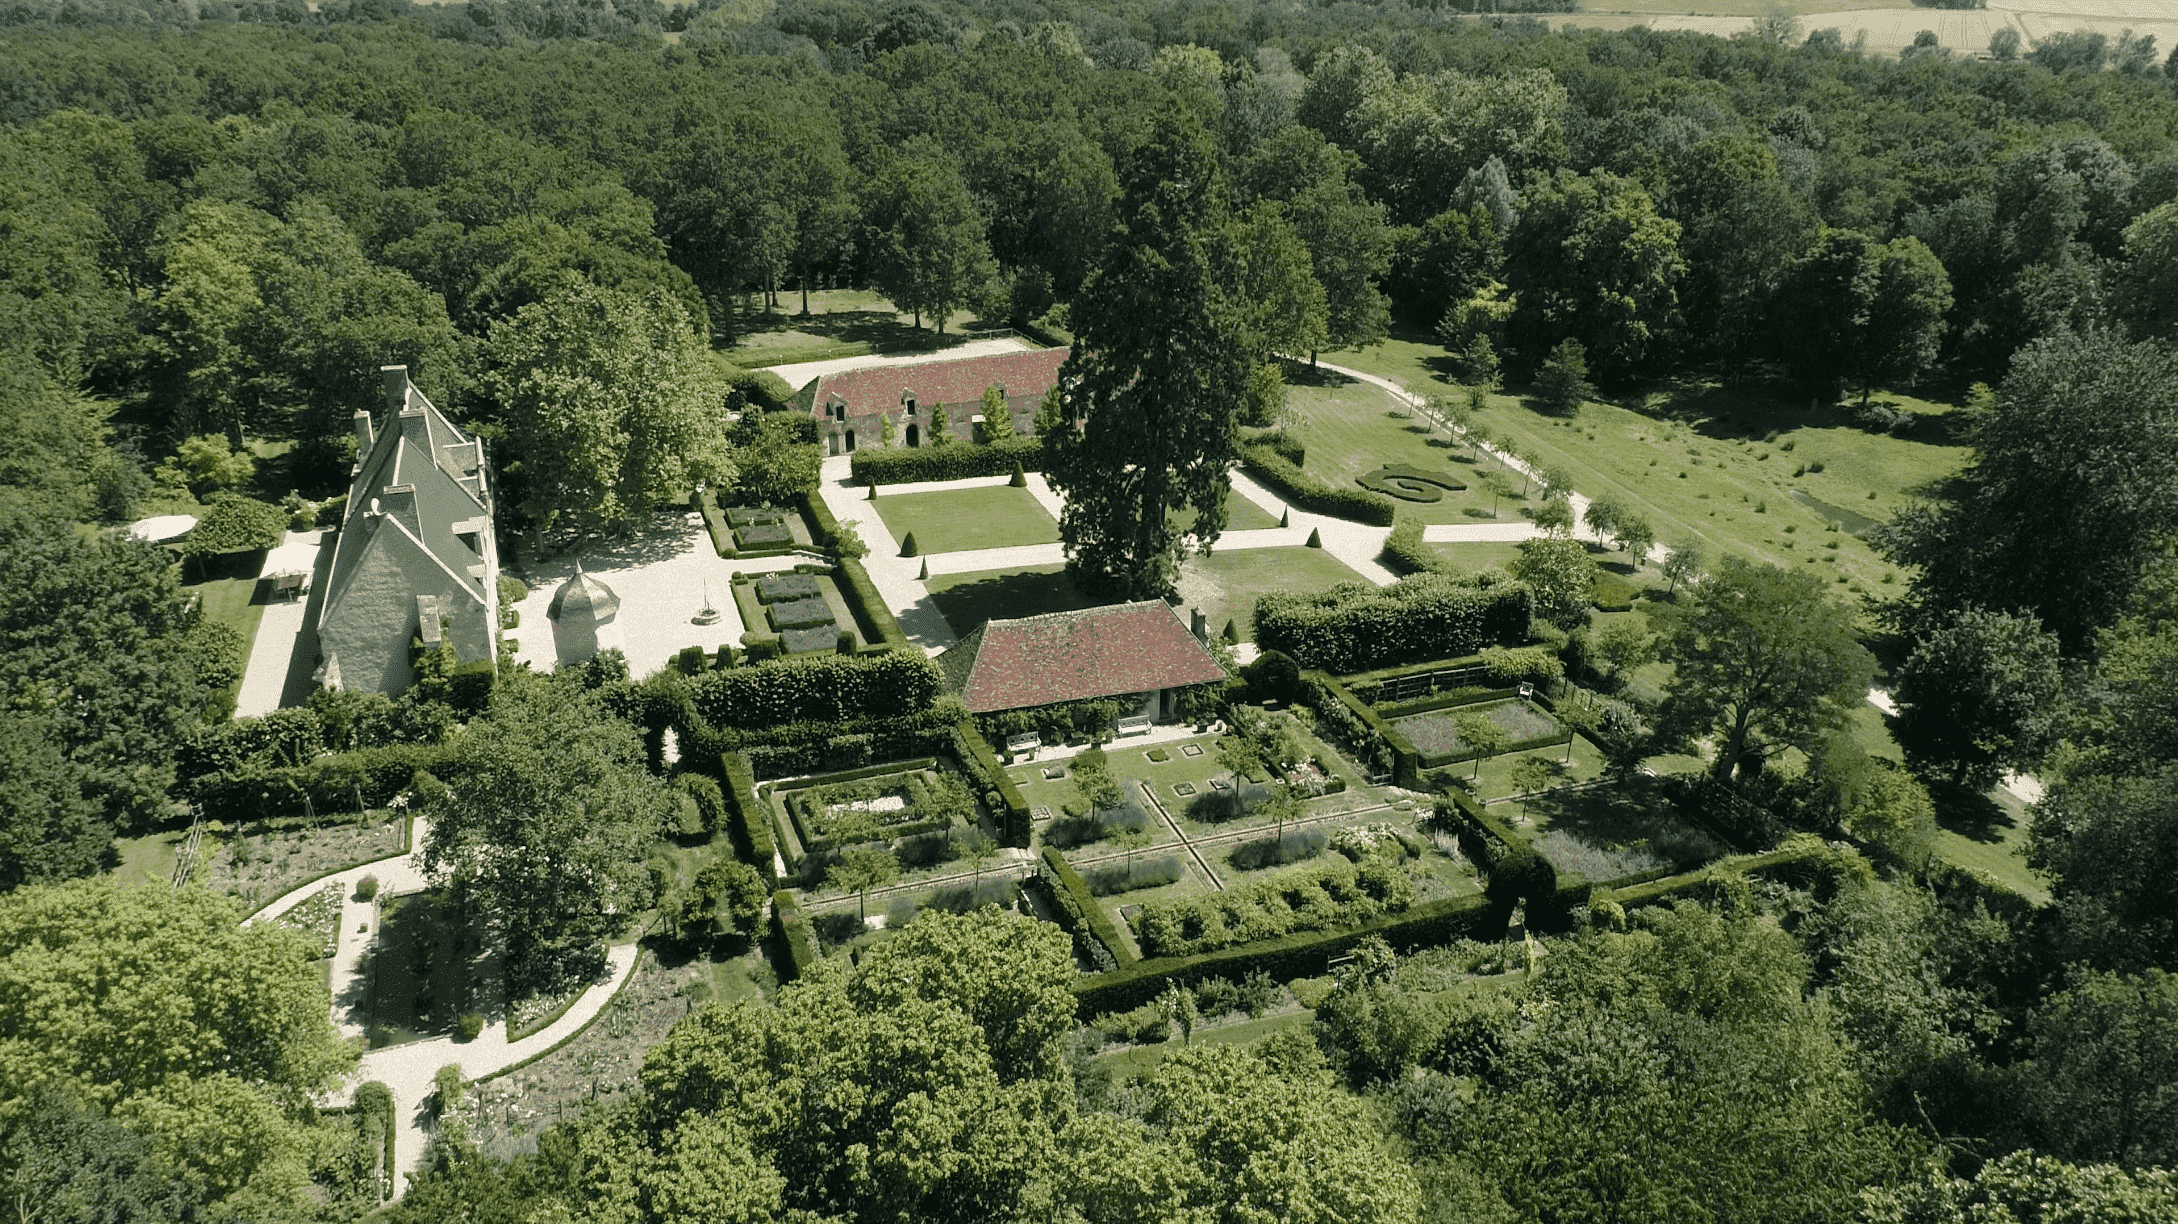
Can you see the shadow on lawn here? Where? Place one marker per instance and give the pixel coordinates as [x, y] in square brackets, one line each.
[1012, 596]
[1635, 814]
[880, 329]
[1975, 817]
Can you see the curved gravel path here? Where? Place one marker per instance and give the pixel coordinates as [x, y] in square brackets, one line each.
[408, 1069]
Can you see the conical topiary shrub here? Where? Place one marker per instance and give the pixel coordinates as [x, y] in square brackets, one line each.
[1020, 478]
[873, 491]
[1231, 634]
[1285, 517]
[908, 548]
[924, 576]
[1315, 539]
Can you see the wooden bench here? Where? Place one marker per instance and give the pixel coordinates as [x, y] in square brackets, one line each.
[1138, 725]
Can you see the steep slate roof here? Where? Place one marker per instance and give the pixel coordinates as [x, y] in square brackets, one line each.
[957, 381]
[1076, 656]
[417, 524]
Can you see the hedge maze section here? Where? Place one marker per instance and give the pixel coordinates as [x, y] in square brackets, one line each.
[784, 588]
[805, 613]
[1409, 483]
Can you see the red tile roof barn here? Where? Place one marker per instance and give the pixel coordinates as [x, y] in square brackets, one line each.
[958, 381]
[1076, 656]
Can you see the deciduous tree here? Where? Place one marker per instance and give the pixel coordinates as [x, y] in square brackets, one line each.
[1764, 654]
[1978, 696]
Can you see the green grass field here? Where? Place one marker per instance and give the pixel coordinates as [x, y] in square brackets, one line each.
[959, 520]
[231, 602]
[967, 600]
[1703, 463]
[1352, 427]
[1240, 515]
[1988, 833]
[1224, 585]
[840, 323]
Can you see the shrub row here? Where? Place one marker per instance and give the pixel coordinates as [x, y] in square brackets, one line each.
[795, 937]
[1304, 490]
[1080, 914]
[1370, 736]
[1288, 447]
[1131, 877]
[1353, 626]
[751, 823]
[1370, 685]
[878, 623]
[958, 461]
[1804, 860]
[1277, 850]
[823, 528]
[331, 783]
[1093, 720]
[817, 688]
[1306, 954]
[1000, 795]
[1404, 548]
[1336, 894]
[1448, 699]
[1096, 826]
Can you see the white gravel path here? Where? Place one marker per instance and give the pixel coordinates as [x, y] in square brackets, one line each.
[264, 678]
[408, 1069]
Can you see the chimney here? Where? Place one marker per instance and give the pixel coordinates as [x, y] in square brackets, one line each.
[1201, 627]
[396, 381]
[417, 430]
[365, 436]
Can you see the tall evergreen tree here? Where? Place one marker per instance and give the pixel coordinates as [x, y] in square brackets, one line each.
[1156, 377]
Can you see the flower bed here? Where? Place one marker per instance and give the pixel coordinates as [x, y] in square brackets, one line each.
[317, 916]
[1321, 898]
[1436, 736]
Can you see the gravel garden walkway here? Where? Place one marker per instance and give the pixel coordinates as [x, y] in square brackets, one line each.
[408, 1069]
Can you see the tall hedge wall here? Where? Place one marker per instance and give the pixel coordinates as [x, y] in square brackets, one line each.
[791, 926]
[1080, 914]
[1354, 627]
[958, 461]
[975, 756]
[878, 623]
[749, 822]
[816, 688]
[1361, 727]
[1304, 490]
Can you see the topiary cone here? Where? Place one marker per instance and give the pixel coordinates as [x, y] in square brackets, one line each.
[873, 492]
[1020, 478]
[1315, 538]
[924, 576]
[1231, 634]
[908, 548]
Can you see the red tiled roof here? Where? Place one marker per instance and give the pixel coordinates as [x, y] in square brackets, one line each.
[1077, 656]
[958, 381]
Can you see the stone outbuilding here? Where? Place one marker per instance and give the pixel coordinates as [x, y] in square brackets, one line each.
[852, 407]
[416, 563]
[1140, 654]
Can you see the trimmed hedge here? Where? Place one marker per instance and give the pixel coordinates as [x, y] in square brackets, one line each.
[827, 688]
[1387, 748]
[905, 465]
[1449, 699]
[981, 765]
[710, 802]
[1309, 493]
[1404, 549]
[1803, 860]
[1288, 447]
[823, 528]
[1080, 913]
[795, 936]
[1307, 954]
[871, 612]
[1334, 894]
[751, 822]
[910, 765]
[1354, 627]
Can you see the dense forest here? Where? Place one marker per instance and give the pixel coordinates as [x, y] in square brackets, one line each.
[216, 218]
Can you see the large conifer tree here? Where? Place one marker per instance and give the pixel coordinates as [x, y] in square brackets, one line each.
[1155, 381]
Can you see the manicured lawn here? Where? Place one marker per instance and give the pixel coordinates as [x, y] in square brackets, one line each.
[1476, 558]
[1735, 494]
[1988, 833]
[231, 601]
[841, 323]
[959, 520]
[1436, 735]
[148, 861]
[1224, 585]
[968, 600]
[1352, 427]
[1496, 780]
[1240, 515]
